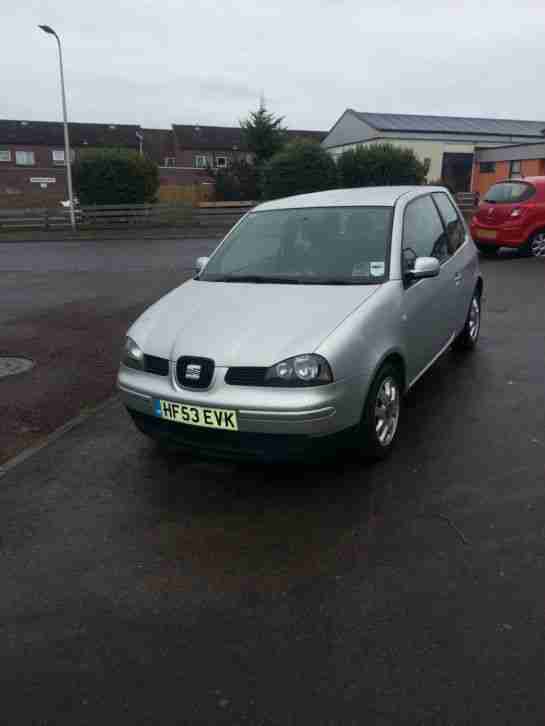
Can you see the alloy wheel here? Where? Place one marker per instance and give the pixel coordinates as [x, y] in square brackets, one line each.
[537, 245]
[387, 407]
[474, 320]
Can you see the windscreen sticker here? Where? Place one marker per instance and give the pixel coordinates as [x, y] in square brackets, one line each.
[376, 269]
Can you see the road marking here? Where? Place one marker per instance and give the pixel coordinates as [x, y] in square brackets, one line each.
[55, 435]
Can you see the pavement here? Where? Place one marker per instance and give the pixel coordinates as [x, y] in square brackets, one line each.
[67, 306]
[144, 588]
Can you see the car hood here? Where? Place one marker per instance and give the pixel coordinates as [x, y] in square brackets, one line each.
[245, 324]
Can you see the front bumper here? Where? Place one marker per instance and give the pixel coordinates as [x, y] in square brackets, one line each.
[506, 236]
[277, 419]
[239, 444]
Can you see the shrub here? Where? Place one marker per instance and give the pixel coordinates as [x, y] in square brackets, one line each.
[380, 165]
[115, 176]
[301, 167]
[238, 182]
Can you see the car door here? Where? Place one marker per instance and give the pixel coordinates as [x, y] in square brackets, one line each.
[428, 303]
[462, 260]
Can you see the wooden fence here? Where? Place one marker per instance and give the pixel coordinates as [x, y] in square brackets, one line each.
[210, 219]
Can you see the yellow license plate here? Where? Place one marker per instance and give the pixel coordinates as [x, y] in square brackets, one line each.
[487, 234]
[213, 418]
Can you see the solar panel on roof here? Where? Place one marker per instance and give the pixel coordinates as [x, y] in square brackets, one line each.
[451, 124]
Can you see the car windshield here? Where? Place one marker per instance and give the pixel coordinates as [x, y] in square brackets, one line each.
[509, 193]
[325, 245]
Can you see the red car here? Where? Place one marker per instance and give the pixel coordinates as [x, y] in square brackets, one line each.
[512, 214]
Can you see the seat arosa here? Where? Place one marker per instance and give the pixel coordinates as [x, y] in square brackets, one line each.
[306, 326]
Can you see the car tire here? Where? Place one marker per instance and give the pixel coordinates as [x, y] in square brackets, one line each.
[535, 247]
[488, 250]
[467, 339]
[383, 404]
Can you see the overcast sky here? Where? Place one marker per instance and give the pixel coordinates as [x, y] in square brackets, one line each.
[175, 61]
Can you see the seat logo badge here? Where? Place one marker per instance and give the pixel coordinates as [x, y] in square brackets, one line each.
[193, 372]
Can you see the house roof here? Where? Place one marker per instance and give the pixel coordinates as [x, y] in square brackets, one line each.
[511, 152]
[450, 124]
[225, 137]
[209, 137]
[158, 144]
[50, 133]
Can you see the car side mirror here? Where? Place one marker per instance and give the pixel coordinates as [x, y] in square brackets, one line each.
[424, 267]
[200, 264]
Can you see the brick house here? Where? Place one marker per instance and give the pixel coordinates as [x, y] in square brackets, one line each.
[161, 146]
[32, 172]
[514, 161]
[187, 152]
[32, 169]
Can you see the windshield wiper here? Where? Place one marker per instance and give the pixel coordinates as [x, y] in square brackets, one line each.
[286, 280]
[329, 281]
[258, 279]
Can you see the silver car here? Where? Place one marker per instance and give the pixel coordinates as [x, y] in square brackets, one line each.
[307, 325]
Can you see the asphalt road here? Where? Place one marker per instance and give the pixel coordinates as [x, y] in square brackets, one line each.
[144, 589]
[67, 306]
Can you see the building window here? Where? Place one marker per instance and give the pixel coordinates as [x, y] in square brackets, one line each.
[58, 156]
[5, 155]
[24, 158]
[515, 170]
[487, 167]
[170, 161]
[200, 162]
[221, 162]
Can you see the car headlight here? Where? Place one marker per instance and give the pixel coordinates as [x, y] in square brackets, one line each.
[302, 370]
[132, 355]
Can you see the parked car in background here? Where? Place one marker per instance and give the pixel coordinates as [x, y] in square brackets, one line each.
[306, 327]
[512, 214]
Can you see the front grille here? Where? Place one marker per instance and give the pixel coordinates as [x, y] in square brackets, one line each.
[246, 376]
[153, 364]
[194, 372]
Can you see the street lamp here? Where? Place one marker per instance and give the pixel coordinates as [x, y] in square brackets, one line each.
[67, 159]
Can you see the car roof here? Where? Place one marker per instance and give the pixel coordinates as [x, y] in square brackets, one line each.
[360, 197]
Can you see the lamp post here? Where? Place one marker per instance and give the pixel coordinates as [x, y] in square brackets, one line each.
[67, 159]
[140, 137]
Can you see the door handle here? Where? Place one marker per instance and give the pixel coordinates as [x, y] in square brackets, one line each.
[458, 278]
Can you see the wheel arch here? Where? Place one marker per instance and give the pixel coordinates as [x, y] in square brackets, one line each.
[535, 230]
[395, 357]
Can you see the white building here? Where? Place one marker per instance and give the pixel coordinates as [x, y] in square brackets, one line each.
[447, 142]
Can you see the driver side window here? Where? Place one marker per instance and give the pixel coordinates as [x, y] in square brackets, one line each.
[423, 232]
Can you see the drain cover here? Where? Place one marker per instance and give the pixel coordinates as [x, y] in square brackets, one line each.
[12, 366]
